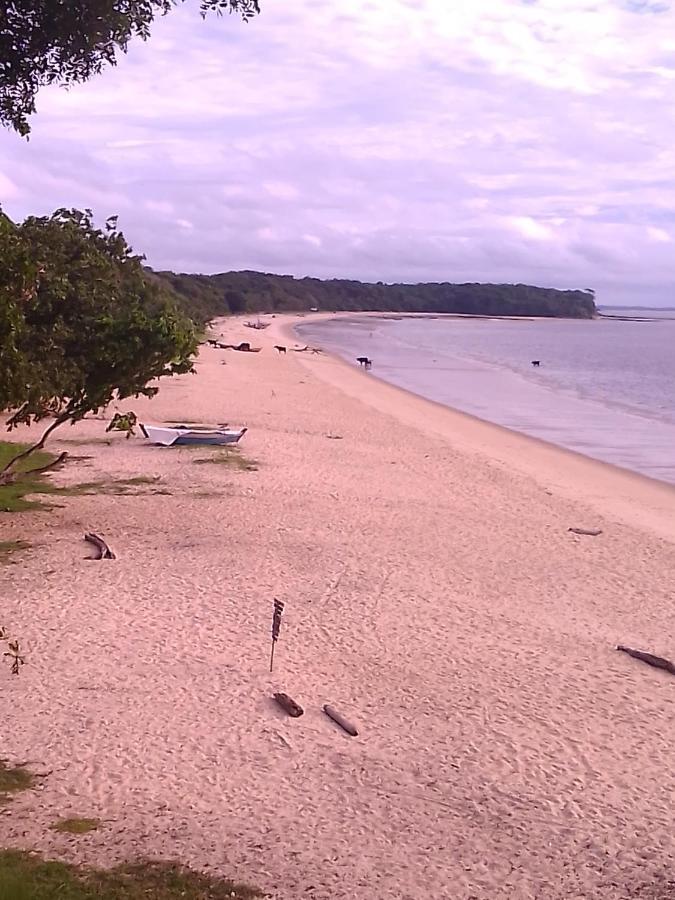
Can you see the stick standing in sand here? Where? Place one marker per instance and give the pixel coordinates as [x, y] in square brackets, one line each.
[276, 627]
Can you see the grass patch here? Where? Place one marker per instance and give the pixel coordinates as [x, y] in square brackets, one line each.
[229, 457]
[26, 877]
[12, 780]
[9, 547]
[118, 487]
[13, 497]
[76, 826]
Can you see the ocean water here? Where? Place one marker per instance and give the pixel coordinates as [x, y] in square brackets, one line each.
[605, 387]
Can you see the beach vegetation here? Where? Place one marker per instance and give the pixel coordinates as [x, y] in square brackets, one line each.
[124, 422]
[25, 876]
[81, 324]
[229, 456]
[15, 493]
[118, 487]
[76, 826]
[27, 492]
[7, 548]
[12, 780]
[67, 43]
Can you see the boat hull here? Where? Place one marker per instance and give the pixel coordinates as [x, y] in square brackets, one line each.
[171, 437]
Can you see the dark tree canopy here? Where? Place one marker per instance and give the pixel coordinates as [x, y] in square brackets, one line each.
[67, 41]
[206, 296]
[81, 323]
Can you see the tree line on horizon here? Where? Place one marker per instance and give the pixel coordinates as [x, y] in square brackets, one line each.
[204, 297]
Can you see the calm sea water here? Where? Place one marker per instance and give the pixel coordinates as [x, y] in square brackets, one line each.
[605, 388]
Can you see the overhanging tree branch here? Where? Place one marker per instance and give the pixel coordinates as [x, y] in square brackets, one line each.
[65, 43]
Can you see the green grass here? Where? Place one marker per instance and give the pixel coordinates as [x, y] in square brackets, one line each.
[26, 877]
[13, 497]
[76, 826]
[117, 487]
[14, 779]
[228, 457]
[9, 547]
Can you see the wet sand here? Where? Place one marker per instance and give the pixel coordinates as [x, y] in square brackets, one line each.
[433, 594]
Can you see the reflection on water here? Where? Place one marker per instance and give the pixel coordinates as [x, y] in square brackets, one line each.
[604, 388]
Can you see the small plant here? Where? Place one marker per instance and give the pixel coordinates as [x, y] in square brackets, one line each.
[121, 486]
[14, 779]
[9, 547]
[229, 457]
[14, 653]
[125, 422]
[76, 826]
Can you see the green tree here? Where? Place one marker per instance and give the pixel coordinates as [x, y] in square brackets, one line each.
[63, 42]
[81, 323]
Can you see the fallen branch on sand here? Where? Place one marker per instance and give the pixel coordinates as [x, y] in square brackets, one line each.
[102, 549]
[344, 724]
[594, 532]
[658, 662]
[289, 705]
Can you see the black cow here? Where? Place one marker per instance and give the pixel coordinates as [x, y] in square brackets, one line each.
[279, 348]
[536, 362]
[364, 361]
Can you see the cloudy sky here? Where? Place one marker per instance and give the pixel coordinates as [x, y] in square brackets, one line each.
[411, 140]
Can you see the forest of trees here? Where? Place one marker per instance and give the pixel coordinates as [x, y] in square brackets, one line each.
[206, 296]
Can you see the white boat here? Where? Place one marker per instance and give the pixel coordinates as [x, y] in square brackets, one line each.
[184, 434]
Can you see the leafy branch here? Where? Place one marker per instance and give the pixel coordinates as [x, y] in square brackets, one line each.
[13, 652]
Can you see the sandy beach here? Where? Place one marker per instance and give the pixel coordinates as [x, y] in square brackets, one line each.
[433, 594]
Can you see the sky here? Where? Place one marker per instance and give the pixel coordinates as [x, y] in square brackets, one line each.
[386, 140]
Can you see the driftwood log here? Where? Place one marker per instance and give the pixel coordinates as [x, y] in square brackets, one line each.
[658, 662]
[344, 724]
[593, 532]
[103, 551]
[289, 705]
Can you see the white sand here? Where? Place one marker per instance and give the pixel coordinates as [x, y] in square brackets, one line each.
[433, 594]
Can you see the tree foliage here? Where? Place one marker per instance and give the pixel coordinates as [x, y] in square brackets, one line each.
[81, 324]
[206, 296]
[63, 42]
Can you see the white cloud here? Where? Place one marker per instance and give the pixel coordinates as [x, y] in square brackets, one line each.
[659, 235]
[430, 140]
[159, 206]
[529, 228]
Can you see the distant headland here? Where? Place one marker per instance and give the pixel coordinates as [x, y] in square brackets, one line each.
[207, 296]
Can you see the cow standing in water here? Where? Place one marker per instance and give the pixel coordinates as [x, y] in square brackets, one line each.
[536, 363]
[364, 361]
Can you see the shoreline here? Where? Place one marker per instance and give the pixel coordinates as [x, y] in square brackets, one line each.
[433, 596]
[632, 497]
